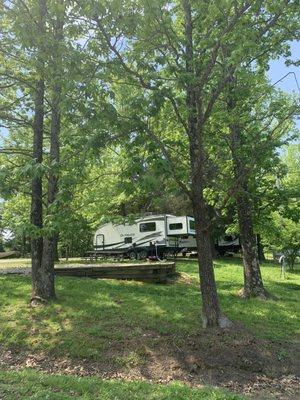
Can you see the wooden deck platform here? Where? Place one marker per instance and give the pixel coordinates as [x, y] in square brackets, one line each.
[9, 254]
[145, 272]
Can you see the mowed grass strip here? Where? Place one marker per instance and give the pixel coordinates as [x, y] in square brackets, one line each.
[91, 316]
[28, 384]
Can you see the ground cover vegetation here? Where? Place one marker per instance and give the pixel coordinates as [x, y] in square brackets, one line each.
[132, 330]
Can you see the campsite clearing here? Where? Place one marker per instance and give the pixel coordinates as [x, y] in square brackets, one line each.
[139, 331]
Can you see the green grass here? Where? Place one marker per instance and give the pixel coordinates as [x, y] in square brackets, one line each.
[27, 385]
[273, 319]
[89, 315]
[117, 321]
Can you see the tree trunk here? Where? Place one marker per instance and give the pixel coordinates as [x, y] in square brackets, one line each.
[211, 313]
[253, 284]
[49, 248]
[214, 252]
[39, 281]
[123, 209]
[24, 245]
[50, 241]
[260, 249]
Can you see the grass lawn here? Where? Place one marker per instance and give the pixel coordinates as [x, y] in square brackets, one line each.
[90, 312]
[124, 324]
[31, 385]
[273, 319]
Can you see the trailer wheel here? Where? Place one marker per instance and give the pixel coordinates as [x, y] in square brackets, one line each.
[132, 255]
[142, 255]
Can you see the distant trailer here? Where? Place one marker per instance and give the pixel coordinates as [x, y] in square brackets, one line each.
[150, 236]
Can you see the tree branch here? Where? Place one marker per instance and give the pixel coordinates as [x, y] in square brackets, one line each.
[11, 150]
[170, 161]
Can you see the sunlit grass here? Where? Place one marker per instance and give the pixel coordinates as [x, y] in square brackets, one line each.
[90, 315]
[272, 319]
[27, 385]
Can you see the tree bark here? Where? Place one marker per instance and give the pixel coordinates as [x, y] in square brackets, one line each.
[260, 249]
[211, 313]
[214, 252]
[253, 284]
[50, 241]
[24, 245]
[38, 279]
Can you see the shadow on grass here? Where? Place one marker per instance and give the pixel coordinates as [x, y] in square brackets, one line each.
[24, 383]
[129, 325]
[287, 285]
[88, 312]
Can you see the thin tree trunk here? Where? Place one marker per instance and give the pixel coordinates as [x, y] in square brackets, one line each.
[49, 248]
[253, 284]
[211, 313]
[23, 252]
[260, 249]
[123, 209]
[50, 242]
[36, 216]
[214, 252]
[213, 247]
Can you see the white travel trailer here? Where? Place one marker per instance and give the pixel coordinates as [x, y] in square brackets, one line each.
[152, 235]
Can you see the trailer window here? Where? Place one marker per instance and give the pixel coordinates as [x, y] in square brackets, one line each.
[148, 227]
[128, 240]
[174, 227]
[192, 224]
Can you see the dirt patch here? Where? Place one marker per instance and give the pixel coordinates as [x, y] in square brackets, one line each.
[232, 359]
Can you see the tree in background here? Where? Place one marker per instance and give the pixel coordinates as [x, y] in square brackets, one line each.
[33, 79]
[280, 231]
[257, 126]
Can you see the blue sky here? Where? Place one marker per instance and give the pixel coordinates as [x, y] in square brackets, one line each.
[278, 69]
